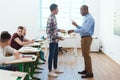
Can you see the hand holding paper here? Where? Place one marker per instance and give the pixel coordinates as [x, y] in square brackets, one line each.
[74, 23]
[70, 31]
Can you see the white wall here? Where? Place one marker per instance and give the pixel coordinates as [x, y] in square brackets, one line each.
[19, 12]
[110, 42]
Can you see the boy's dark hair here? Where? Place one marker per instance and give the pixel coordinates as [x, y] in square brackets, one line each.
[5, 36]
[20, 27]
[53, 7]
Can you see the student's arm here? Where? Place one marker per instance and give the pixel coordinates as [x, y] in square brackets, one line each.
[25, 39]
[4, 59]
[13, 51]
[22, 43]
[10, 50]
[15, 55]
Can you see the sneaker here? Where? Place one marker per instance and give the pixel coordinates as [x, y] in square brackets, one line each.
[58, 71]
[52, 73]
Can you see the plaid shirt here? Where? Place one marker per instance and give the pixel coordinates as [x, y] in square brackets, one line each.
[51, 29]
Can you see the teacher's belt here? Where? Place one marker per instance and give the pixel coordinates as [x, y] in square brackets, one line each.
[85, 36]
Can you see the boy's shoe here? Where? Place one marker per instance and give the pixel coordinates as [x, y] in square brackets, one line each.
[58, 71]
[52, 73]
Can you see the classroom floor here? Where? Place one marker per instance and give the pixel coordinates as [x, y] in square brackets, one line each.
[104, 68]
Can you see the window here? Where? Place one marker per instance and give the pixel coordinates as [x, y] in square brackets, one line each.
[68, 10]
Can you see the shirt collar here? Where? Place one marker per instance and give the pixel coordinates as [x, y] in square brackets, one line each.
[52, 14]
[87, 15]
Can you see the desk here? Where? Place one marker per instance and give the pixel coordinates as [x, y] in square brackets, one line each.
[11, 75]
[31, 50]
[34, 44]
[39, 40]
[24, 64]
[38, 45]
[70, 42]
[27, 49]
[22, 60]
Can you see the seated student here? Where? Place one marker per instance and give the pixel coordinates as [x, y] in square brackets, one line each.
[17, 40]
[5, 48]
[25, 39]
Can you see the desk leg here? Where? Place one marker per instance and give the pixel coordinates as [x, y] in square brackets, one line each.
[75, 51]
[32, 68]
[21, 67]
[26, 69]
[36, 63]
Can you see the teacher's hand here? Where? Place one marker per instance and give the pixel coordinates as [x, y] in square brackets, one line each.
[74, 23]
[70, 31]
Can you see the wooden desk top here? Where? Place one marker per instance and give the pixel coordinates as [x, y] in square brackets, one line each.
[28, 50]
[26, 58]
[39, 40]
[11, 75]
[34, 44]
[42, 42]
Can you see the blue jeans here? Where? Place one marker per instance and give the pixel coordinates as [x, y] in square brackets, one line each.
[53, 56]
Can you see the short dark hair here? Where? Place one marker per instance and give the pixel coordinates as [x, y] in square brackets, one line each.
[5, 36]
[53, 7]
[85, 7]
[20, 27]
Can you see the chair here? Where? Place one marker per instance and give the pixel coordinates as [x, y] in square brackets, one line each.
[62, 50]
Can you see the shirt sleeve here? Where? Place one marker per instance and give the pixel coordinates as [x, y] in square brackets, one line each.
[85, 27]
[78, 27]
[10, 50]
[4, 59]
